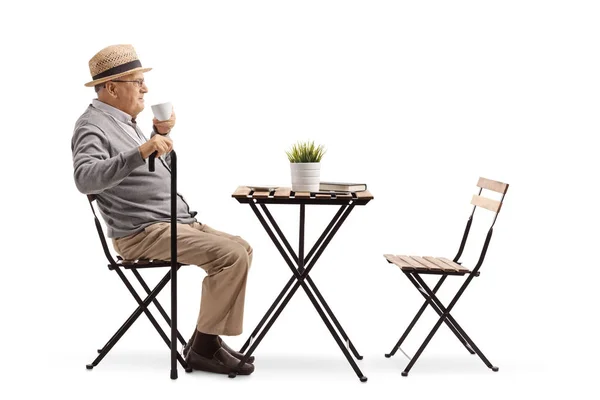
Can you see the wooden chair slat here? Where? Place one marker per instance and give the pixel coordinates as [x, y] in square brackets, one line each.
[399, 262]
[427, 263]
[453, 264]
[486, 203]
[416, 265]
[432, 266]
[440, 263]
[489, 184]
[394, 259]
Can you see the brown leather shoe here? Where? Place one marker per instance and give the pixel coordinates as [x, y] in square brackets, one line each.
[234, 353]
[188, 346]
[221, 363]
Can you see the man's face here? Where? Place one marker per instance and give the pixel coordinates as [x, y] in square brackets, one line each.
[129, 96]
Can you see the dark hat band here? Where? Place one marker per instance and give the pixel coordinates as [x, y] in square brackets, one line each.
[119, 69]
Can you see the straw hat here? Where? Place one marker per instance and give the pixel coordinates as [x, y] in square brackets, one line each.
[113, 62]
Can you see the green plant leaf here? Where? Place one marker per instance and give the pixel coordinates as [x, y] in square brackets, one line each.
[305, 152]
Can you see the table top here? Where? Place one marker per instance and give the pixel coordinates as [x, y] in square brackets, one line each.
[285, 195]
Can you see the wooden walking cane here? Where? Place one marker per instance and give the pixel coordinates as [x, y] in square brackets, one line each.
[173, 257]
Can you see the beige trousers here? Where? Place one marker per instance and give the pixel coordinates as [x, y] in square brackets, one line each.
[225, 258]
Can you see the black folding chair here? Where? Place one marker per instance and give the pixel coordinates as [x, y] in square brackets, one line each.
[134, 266]
[413, 267]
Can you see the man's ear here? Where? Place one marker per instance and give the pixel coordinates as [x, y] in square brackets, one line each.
[111, 89]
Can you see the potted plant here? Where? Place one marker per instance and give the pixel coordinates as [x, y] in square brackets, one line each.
[305, 163]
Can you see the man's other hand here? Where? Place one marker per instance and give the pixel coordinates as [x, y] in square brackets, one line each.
[160, 144]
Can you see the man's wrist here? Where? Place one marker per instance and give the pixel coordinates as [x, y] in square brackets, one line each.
[160, 133]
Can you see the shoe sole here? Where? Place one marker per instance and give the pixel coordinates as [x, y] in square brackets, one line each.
[219, 369]
[185, 352]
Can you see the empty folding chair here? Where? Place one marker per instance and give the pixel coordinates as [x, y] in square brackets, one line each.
[413, 267]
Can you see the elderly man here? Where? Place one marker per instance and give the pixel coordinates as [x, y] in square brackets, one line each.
[109, 160]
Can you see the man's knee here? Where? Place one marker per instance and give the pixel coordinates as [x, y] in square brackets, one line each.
[238, 257]
[246, 245]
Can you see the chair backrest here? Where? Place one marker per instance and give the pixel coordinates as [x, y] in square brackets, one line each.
[492, 205]
[489, 204]
[109, 257]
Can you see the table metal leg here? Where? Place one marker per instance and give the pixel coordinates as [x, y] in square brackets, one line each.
[267, 315]
[315, 247]
[334, 319]
[300, 275]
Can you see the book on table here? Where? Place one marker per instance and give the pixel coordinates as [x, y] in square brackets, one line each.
[342, 187]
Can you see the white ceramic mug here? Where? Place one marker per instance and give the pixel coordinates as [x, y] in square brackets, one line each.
[162, 111]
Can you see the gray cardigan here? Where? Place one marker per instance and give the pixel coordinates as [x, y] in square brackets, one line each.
[107, 163]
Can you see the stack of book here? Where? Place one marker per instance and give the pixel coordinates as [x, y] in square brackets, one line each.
[342, 187]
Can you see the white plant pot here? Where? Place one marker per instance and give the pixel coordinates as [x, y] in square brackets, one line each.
[306, 176]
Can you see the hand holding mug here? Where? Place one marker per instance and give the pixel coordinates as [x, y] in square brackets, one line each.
[164, 117]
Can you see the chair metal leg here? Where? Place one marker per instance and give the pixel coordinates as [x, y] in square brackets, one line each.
[414, 321]
[142, 307]
[436, 308]
[160, 309]
[425, 343]
[449, 317]
[132, 318]
[433, 300]
[134, 315]
[158, 328]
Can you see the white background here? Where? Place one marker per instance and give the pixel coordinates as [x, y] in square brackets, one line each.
[417, 99]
